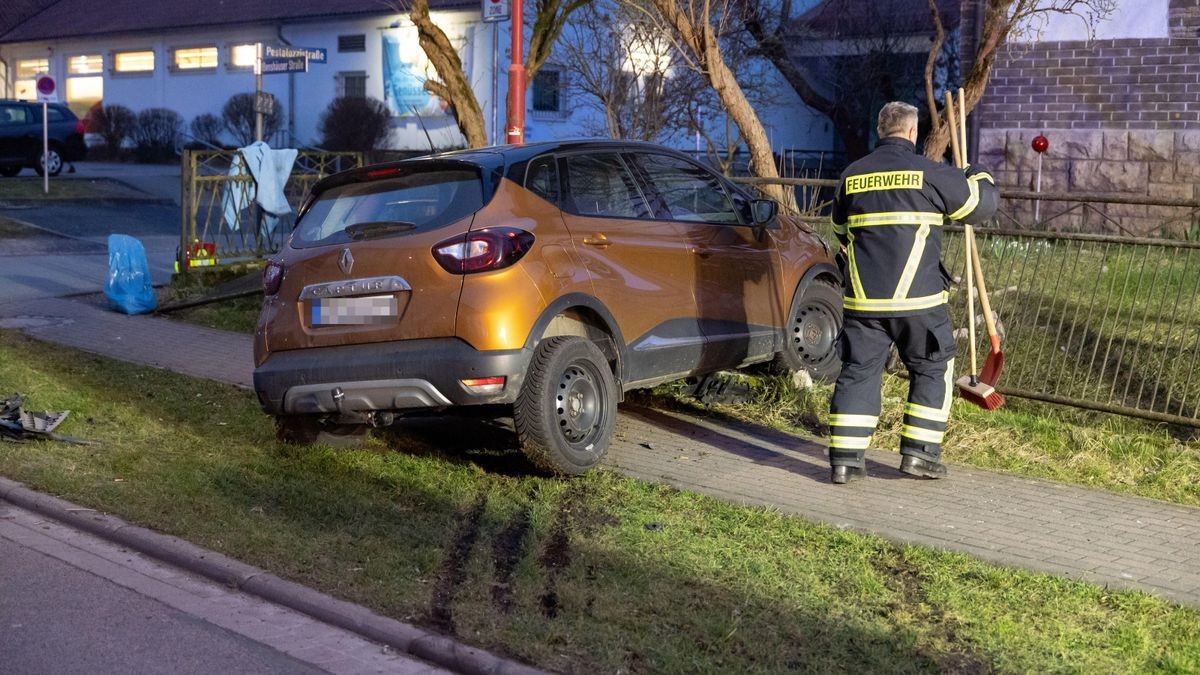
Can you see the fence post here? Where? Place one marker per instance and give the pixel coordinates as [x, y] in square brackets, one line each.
[186, 213]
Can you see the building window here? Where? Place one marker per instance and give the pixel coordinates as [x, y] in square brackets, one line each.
[84, 92]
[352, 43]
[133, 62]
[352, 84]
[85, 64]
[242, 56]
[194, 58]
[547, 91]
[28, 69]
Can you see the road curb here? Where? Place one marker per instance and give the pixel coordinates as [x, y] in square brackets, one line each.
[436, 649]
[23, 202]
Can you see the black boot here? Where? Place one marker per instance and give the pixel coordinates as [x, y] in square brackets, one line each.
[922, 468]
[840, 475]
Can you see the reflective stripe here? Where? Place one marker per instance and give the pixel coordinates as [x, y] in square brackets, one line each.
[949, 389]
[847, 420]
[925, 435]
[895, 218]
[839, 228]
[855, 280]
[972, 201]
[891, 304]
[983, 175]
[914, 261]
[926, 413]
[850, 442]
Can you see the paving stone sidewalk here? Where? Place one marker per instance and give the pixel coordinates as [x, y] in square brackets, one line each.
[1101, 537]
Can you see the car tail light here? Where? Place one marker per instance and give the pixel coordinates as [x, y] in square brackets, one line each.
[485, 385]
[272, 277]
[493, 248]
[80, 128]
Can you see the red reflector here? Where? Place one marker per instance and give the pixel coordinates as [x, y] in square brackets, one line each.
[380, 173]
[484, 385]
[80, 127]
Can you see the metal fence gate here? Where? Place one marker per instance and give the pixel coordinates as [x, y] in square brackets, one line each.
[221, 221]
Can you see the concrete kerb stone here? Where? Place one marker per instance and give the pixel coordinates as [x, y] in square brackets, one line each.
[437, 649]
[85, 201]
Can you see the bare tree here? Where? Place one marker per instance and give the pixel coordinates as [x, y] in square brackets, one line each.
[696, 29]
[453, 84]
[1001, 19]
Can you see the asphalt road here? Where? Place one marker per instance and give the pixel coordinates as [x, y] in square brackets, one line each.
[57, 619]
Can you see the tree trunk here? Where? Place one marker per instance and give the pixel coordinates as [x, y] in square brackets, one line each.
[454, 87]
[698, 38]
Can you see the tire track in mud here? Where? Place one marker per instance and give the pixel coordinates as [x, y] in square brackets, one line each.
[453, 571]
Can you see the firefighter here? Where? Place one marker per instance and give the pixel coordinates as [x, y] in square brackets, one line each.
[888, 215]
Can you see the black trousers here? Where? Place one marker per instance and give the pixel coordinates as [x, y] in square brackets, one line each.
[926, 345]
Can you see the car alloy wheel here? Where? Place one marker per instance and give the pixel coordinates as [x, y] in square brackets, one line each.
[53, 160]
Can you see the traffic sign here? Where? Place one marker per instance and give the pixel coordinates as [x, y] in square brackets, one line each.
[494, 10]
[313, 54]
[295, 64]
[46, 89]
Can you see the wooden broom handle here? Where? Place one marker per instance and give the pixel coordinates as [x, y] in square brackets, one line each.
[962, 126]
[969, 244]
[951, 119]
[988, 319]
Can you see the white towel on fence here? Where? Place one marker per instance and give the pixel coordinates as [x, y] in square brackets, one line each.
[270, 169]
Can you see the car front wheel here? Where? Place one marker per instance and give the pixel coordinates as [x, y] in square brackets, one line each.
[810, 335]
[52, 160]
[567, 408]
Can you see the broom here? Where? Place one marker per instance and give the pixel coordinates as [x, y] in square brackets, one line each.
[978, 388]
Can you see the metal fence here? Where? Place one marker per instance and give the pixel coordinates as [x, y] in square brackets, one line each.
[1095, 321]
[221, 222]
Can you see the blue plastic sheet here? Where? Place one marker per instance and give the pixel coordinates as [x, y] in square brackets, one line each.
[128, 286]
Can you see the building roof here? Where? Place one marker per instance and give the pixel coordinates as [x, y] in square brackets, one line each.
[875, 18]
[32, 20]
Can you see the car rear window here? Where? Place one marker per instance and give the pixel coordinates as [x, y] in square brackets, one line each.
[415, 200]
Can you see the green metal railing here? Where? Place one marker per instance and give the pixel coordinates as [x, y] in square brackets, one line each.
[1090, 320]
[220, 221]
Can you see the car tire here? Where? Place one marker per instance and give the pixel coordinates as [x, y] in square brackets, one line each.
[567, 408]
[810, 335]
[53, 159]
[310, 430]
[9, 171]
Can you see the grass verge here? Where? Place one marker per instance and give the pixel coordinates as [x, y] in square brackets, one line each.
[30, 187]
[443, 524]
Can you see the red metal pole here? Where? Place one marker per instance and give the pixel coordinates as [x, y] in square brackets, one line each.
[515, 134]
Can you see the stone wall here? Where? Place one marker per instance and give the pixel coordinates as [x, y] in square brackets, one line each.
[1156, 163]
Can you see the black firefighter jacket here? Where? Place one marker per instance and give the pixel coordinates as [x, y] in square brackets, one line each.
[888, 214]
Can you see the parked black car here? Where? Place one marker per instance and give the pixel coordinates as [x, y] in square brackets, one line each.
[21, 137]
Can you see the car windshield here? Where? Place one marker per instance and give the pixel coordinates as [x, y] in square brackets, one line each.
[416, 199]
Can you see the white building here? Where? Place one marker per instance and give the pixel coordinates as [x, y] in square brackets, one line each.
[192, 56]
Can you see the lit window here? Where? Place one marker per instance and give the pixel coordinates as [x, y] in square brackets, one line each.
[27, 69]
[243, 56]
[84, 92]
[86, 64]
[133, 62]
[197, 58]
[25, 90]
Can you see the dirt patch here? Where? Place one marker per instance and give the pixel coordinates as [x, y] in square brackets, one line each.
[507, 552]
[946, 650]
[453, 571]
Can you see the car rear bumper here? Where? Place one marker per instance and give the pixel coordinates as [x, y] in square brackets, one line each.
[385, 376]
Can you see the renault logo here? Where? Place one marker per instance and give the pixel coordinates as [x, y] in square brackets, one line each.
[346, 261]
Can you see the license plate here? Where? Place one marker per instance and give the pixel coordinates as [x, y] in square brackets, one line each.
[358, 311]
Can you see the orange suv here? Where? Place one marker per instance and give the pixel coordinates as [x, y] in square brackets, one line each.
[549, 278]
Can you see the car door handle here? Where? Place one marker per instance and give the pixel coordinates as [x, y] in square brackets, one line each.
[599, 241]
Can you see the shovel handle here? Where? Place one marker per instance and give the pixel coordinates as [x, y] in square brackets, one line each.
[962, 125]
[951, 118]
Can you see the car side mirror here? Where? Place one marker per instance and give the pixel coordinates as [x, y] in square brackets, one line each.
[764, 211]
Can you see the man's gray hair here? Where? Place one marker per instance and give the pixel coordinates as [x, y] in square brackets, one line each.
[896, 118]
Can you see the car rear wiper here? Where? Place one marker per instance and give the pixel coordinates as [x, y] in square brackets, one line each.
[377, 228]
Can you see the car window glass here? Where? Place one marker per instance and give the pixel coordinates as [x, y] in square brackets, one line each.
[55, 115]
[600, 185]
[688, 191]
[11, 115]
[541, 178]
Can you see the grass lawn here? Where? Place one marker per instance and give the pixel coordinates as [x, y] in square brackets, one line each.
[63, 187]
[11, 229]
[444, 525]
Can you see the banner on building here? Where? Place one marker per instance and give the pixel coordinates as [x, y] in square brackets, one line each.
[404, 75]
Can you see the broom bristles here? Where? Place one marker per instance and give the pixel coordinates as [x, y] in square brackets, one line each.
[979, 393]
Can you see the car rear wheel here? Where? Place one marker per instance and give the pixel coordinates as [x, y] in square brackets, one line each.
[814, 321]
[52, 160]
[567, 408]
[309, 430]
[9, 171]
